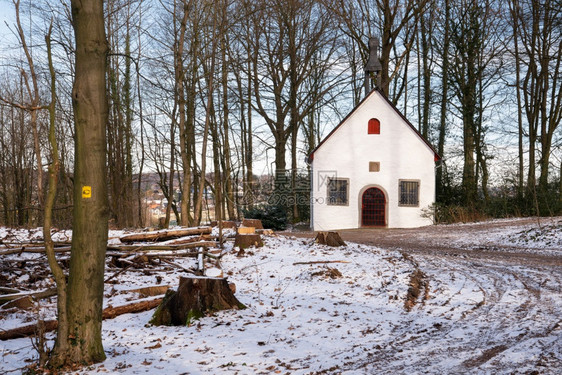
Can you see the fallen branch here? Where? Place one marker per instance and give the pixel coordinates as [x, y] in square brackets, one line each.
[35, 295]
[33, 249]
[177, 266]
[322, 262]
[108, 313]
[3, 289]
[119, 272]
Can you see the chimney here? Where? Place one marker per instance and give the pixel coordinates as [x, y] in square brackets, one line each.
[373, 65]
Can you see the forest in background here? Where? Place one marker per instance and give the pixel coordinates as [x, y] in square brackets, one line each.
[236, 89]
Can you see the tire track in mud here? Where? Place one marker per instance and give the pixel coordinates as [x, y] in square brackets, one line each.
[515, 306]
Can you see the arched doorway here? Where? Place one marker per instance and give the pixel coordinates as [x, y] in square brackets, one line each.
[373, 208]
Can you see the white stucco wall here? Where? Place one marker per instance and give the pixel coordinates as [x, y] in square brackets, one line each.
[346, 154]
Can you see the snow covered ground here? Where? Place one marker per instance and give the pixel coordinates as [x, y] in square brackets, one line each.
[347, 316]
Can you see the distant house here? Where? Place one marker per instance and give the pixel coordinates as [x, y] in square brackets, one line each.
[373, 170]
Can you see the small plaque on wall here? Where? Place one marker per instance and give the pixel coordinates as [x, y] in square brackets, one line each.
[374, 166]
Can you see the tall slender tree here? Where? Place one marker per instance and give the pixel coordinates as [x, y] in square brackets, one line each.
[79, 331]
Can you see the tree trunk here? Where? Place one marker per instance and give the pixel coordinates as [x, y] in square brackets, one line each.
[79, 339]
[180, 97]
[515, 22]
[444, 100]
[56, 269]
[201, 188]
[226, 160]
[426, 74]
[560, 186]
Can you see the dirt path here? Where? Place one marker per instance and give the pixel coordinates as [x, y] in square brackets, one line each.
[477, 241]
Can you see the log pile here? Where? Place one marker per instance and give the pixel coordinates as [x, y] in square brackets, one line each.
[162, 246]
[144, 252]
[141, 252]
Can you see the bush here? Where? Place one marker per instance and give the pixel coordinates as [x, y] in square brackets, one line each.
[272, 216]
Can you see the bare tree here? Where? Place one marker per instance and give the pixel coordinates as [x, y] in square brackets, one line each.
[475, 48]
[295, 35]
[119, 21]
[34, 102]
[537, 26]
[393, 21]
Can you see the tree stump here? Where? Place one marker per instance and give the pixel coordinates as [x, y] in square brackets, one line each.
[256, 223]
[329, 238]
[195, 297]
[244, 241]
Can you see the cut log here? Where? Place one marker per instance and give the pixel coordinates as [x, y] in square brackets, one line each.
[256, 223]
[164, 234]
[329, 238]
[246, 230]
[184, 240]
[184, 246]
[228, 224]
[111, 312]
[195, 297]
[243, 241]
[108, 313]
[225, 224]
[265, 232]
[26, 331]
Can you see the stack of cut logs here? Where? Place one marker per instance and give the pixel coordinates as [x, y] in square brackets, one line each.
[164, 245]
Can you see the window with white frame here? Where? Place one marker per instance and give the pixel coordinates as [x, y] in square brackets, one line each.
[409, 193]
[338, 191]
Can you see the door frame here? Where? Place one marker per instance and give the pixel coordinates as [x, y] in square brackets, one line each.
[360, 207]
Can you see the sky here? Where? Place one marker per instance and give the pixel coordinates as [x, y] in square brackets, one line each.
[6, 16]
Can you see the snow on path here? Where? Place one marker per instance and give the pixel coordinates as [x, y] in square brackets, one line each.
[479, 317]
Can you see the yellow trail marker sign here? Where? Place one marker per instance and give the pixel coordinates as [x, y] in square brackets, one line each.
[86, 192]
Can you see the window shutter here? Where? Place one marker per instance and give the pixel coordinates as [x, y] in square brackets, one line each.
[374, 126]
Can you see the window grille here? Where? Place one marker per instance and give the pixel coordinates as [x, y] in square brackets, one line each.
[338, 191]
[409, 193]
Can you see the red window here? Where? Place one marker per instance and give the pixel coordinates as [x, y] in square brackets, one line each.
[374, 126]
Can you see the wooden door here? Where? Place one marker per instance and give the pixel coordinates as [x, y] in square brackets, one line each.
[373, 208]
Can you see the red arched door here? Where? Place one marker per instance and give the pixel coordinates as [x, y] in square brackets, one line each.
[373, 208]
